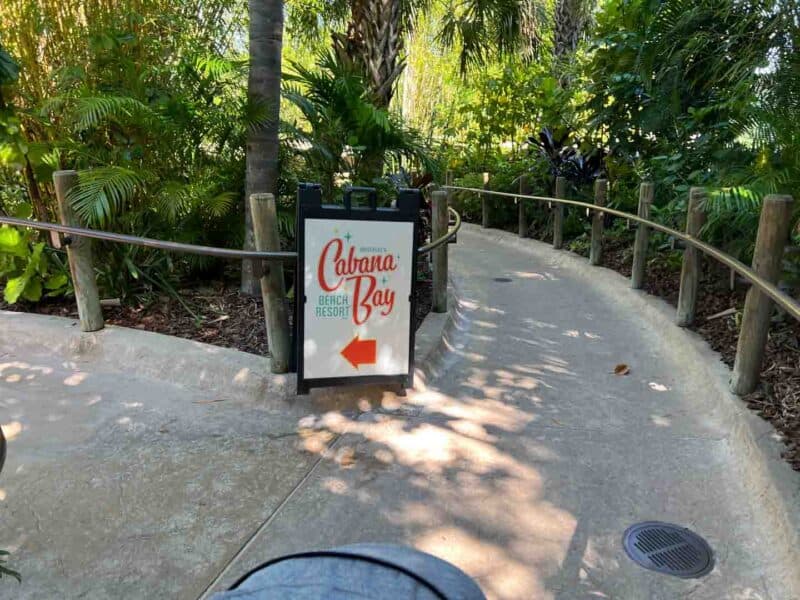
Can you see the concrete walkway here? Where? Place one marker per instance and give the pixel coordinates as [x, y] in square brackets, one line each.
[521, 459]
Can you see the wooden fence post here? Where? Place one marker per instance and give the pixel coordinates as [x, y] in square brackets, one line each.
[439, 228]
[692, 259]
[646, 195]
[449, 180]
[485, 202]
[558, 213]
[773, 233]
[522, 219]
[600, 194]
[273, 288]
[79, 254]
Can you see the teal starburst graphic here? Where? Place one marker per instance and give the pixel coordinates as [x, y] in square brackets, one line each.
[348, 237]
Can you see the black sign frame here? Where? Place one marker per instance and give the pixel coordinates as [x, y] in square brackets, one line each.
[309, 206]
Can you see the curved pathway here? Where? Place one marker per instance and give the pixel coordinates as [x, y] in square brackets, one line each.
[525, 460]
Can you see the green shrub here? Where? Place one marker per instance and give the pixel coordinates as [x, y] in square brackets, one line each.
[29, 272]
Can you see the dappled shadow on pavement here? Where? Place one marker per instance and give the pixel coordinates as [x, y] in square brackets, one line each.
[526, 457]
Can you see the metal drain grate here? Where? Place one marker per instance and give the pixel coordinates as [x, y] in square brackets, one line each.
[668, 549]
[502, 280]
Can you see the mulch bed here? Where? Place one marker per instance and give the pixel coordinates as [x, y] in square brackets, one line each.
[778, 397]
[223, 316]
[220, 315]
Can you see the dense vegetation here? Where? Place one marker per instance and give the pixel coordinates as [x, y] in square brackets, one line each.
[160, 108]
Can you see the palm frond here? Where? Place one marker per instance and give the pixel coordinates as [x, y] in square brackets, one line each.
[217, 67]
[176, 200]
[337, 106]
[482, 28]
[89, 112]
[104, 192]
[219, 204]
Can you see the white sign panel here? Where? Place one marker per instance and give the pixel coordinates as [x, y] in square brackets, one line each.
[357, 286]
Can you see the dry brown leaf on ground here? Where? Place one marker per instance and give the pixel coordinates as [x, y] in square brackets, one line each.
[622, 369]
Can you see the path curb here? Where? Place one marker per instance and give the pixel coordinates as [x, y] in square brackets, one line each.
[752, 440]
[236, 375]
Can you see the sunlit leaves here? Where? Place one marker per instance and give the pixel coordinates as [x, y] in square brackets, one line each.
[27, 269]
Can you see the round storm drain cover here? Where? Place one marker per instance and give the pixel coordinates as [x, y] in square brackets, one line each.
[502, 280]
[668, 549]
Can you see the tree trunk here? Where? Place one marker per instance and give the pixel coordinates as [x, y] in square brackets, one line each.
[570, 19]
[37, 204]
[374, 42]
[264, 96]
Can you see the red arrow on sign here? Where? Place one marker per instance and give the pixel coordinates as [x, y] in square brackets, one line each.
[361, 352]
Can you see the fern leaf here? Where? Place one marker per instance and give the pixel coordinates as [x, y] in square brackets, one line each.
[104, 192]
[89, 112]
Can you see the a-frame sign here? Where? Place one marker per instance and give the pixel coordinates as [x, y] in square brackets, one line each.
[355, 289]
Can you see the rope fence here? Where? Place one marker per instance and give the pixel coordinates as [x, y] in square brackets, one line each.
[773, 235]
[87, 297]
[781, 298]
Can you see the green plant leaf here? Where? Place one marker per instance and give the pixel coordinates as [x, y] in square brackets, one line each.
[104, 192]
[12, 242]
[37, 262]
[9, 70]
[93, 111]
[56, 282]
[23, 210]
[33, 290]
[15, 287]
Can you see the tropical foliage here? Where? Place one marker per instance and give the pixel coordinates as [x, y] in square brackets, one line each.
[25, 267]
[341, 130]
[161, 106]
[146, 102]
[683, 93]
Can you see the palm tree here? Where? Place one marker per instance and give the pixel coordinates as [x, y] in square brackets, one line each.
[264, 94]
[484, 29]
[569, 24]
[374, 42]
[344, 130]
[375, 32]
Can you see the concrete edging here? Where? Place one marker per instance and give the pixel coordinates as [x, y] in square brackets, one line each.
[435, 337]
[752, 440]
[145, 354]
[188, 363]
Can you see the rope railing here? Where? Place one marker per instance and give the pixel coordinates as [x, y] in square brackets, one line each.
[122, 238]
[781, 299]
[267, 249]
[226, 253]
[446, 238]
